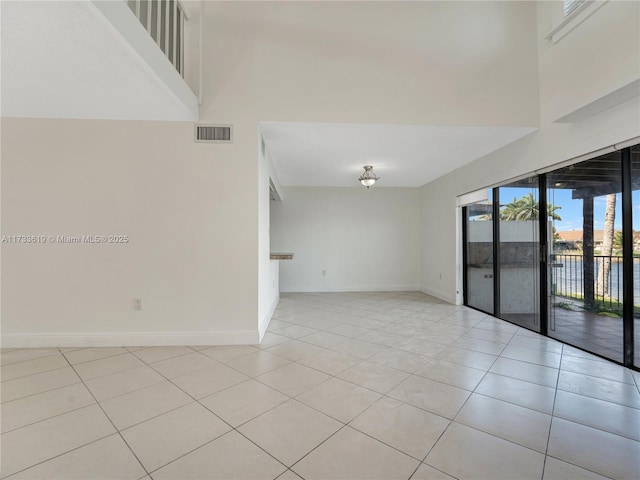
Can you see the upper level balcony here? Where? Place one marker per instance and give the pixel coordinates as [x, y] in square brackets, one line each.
[123, 60]
[164, 20]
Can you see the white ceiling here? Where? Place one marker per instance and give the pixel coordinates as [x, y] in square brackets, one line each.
[333, 154]
[66, 60]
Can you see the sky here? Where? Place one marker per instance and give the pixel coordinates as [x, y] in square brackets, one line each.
[571, 210]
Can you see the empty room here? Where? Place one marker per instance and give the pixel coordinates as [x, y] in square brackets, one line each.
[320, 240]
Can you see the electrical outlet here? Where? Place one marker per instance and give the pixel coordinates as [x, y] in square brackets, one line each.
[138, 304]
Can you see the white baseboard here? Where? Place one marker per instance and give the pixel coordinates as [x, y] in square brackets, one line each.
[264, 322]
[439, 294]
[354, 288]
[129, 339]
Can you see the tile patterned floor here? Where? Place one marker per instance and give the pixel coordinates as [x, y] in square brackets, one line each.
[343, 386]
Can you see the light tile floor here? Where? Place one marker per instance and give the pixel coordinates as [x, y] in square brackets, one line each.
[344, 386]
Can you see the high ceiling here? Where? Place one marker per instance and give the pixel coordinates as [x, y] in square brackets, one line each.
[333, 154]
[66, 60]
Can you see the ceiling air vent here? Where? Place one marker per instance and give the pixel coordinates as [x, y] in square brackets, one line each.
[214, 134]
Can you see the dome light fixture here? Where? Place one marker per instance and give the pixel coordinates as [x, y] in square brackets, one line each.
[368, 178]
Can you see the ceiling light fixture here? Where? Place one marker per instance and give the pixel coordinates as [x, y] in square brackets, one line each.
[368, 178]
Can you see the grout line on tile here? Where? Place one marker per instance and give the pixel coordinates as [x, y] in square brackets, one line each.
[186, 393]
[30, 359]
[473, 392]
[500, 438]
[190, 451]
[44, 391]
[50, 417]
[553, 409]
[575, 465]
[168, 358]
[316, 447]
[498, 374]
[109, 418]
[636, 379]
[424, 459]
[63, 453]
[349, 310]
[35, 373]
[93, 359]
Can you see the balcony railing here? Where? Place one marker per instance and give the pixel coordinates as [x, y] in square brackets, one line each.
[164, 20]
[568, 279]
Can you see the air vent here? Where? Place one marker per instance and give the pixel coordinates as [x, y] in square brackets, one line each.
[214, 134]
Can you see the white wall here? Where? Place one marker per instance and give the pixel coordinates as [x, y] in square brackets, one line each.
[614, 29]
[363, 239]
[433, 63]
[552, 144]
[195, 213]
[268, 270]
[598, 56]
[87, 59]
[189, 211]
[198, 255]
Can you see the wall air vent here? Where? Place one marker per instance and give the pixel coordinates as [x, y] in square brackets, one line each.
[214, 134]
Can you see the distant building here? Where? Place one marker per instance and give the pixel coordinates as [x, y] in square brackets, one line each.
[572, 240]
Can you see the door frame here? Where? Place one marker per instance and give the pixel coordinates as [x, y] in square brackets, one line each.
[544, 260]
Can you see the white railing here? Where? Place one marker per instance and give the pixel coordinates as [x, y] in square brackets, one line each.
[164, 20]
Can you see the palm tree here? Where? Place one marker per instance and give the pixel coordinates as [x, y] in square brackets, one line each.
[526, 208]
[607, 245]
[617, 243]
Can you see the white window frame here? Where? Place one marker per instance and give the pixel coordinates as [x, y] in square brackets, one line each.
[568, 6]
[580, 11]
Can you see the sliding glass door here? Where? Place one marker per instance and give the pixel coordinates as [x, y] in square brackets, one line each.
[635, 247]
[519, 253]
[586, 256]
[479, 255]
[559, 253]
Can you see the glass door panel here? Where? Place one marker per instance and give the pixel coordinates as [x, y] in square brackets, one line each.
[519, 254]
[585, 255]
[635, 199]
[479, 255]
